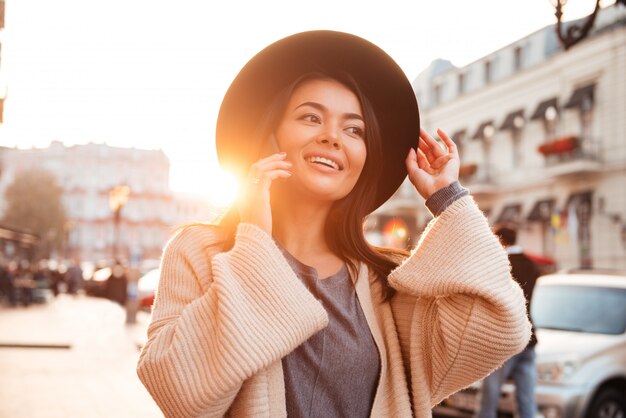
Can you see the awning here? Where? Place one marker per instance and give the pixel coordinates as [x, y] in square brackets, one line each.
[509, 121]
[458, 136]
[577, 198]
[579, 95]
[510, 213]
[481, 130]
[541, 211]
[543, 106]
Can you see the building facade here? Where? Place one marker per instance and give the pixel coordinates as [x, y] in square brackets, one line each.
[87, 174]
[542, 139]
[3, 86]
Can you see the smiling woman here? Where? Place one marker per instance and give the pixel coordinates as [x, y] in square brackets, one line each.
[282, 308]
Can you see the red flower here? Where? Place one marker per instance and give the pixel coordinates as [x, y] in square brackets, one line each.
[559, 145]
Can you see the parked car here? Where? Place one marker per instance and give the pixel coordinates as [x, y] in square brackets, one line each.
[96, 284]
[146, 287]
[581, 355]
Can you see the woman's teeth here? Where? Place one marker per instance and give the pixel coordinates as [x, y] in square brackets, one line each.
[324, 161]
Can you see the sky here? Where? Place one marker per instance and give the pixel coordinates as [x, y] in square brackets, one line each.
[151, 74]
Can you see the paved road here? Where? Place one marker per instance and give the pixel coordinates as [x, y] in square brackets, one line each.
[91, 374]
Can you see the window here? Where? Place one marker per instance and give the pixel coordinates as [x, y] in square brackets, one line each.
[550, 120]
[586, 309]
[514, 123]
[586, 124]
[517, 58]
[488, 70]
[582, 99]
[437, 89]
[461, 83]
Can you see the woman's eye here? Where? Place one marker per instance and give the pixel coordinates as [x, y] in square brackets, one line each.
[310, 117]
[355, 130]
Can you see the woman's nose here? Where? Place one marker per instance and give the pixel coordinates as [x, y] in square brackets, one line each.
[330, 139]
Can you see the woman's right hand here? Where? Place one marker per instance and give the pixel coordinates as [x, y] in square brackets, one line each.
[254, 202]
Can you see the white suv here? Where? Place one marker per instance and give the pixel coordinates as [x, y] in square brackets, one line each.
[581, 355]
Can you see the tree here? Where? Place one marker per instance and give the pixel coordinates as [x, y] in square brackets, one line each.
[34, 203]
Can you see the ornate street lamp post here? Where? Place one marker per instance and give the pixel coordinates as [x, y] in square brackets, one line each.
[575, 32]
[118, 196]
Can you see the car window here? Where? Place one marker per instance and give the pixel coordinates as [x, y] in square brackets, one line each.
[580, 308]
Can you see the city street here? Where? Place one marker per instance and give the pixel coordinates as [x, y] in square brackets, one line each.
[71, 357]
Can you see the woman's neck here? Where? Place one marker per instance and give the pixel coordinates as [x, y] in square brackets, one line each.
[299, 227]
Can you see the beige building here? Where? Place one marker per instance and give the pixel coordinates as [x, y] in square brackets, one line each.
[3, 86]
[87, 174]
[542, 138]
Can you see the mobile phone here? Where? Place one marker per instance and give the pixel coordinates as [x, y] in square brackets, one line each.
[269, 146]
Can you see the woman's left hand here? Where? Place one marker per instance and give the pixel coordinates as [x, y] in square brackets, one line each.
[433, 167]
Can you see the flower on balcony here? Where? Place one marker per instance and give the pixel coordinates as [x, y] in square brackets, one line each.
[559, 145]
[467, 170]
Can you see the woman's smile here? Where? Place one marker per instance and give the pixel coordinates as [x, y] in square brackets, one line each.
[324, 161]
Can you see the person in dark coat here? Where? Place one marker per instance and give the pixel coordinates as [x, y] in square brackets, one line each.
[7, 285]
[116, 287]
[521, 367]
[74, 277]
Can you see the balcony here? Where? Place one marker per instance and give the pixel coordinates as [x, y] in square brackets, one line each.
[571, 155]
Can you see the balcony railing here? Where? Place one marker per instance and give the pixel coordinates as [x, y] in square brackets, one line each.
[571, 155]
[569, 148]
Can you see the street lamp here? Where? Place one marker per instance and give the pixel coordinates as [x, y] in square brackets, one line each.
[118, 196]
[575, 33]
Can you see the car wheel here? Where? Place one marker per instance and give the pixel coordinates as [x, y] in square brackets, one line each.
[609, 403]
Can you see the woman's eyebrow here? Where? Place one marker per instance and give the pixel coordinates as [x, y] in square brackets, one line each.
[316, 105]
[323, 108]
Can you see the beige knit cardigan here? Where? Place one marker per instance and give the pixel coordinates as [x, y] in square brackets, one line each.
[222, 321]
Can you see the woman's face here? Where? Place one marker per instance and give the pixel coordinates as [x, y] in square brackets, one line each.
[322, 131]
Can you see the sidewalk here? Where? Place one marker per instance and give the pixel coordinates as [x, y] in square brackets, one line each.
[91, 373]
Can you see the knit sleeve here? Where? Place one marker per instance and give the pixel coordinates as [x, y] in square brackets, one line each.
[219, 318]
[460, 315]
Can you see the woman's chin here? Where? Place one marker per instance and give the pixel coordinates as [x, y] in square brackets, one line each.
[316, 191]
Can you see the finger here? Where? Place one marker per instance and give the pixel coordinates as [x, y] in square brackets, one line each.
[427, 152]
[257, 169]
[452, 148]
[442, 161]
[262, 166]
[422, 161]
[412, 166]
[411, 161]
[431, 142]
[273, 157]
[266, 177]
[278, 174]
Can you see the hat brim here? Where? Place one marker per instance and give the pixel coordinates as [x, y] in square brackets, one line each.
[278, 65]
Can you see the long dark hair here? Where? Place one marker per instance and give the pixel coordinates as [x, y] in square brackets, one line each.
[343, 230]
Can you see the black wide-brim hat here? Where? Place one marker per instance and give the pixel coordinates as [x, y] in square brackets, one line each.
[280, 64]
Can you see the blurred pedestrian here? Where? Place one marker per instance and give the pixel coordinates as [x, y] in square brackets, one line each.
[24, 283]
[117, 283]
[7, 284]
[284, 309]
[521, 367]
[74, 277]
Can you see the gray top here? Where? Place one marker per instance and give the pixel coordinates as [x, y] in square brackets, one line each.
[335, 372]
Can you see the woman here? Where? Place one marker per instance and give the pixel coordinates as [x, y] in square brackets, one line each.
[283, 309]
